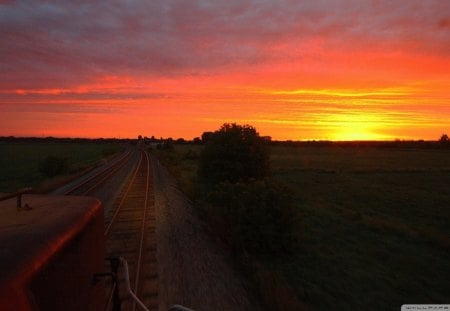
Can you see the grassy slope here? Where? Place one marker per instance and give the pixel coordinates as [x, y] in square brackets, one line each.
[182, 163]
[19, 162]
[374, 224]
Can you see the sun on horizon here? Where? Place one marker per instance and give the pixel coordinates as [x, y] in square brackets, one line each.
[378, 70]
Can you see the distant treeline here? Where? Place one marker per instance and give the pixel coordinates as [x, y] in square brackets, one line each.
[421, 144]
[442, 143]
[62, 140]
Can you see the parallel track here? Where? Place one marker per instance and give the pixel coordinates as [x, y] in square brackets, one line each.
[92, 183]
[130, 233]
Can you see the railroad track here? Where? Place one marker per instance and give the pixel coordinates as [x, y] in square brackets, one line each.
[130, 234]
[129, 228]
[94, 181]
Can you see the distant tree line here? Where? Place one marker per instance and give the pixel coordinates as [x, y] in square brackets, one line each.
[442, 142]
[64, 140]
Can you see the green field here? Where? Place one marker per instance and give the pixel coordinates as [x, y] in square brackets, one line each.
[19, 161]
[374, 226]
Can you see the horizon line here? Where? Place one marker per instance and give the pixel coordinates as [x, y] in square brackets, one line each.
[192, 139]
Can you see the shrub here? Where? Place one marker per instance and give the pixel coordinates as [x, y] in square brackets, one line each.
[257, 217]
[190, 155]
[52, 166]
[165, 145]
[444, 140]
[234, 153]
[168, 144]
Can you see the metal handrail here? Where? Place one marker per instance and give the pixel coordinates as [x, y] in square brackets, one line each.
[179, 308]
[136, 299]
[17, 194]
[128, 286]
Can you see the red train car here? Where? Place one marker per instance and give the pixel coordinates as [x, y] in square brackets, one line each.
[50, 252]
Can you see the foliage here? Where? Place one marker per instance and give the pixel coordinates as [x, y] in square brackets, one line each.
[52, 166]
[256, 216]
[249, 211]
[444, 139]
[182, 164]
[190, 155]
[165, 145]
[206, 136]
[234, 153]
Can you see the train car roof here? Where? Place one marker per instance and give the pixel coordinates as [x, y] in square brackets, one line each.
[30, 238]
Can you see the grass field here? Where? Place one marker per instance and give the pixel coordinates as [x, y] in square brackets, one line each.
[374, 223]
[19, 161]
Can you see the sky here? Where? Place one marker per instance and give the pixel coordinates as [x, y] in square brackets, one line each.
[298, 70]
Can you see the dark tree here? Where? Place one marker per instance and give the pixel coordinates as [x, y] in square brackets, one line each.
[168, 144]
[234, 153]
[206, 136]
[257, 216]
[444, 138]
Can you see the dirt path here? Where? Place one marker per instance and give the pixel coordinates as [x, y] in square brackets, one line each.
[192, 270]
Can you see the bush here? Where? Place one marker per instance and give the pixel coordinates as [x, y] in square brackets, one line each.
[52, 166]
[234, 153]
[165, 145]
[257, 217]
[444, 140]
[190, 155]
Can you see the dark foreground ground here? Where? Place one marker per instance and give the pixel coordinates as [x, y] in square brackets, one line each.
[373, 226]
[374, 221]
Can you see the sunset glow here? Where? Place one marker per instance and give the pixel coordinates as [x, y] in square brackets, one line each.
[300, 70]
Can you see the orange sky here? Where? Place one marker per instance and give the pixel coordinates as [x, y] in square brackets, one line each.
[340, 70]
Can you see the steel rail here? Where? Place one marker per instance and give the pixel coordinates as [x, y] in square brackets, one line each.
[179, 308]
[130, 218]
[110, 169]
[144, 220]
[107, 172]
[116, 211]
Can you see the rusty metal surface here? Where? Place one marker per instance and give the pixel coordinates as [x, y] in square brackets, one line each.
[30, 239]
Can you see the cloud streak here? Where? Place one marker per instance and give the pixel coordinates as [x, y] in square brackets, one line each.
[154, 50]
[62, 41]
